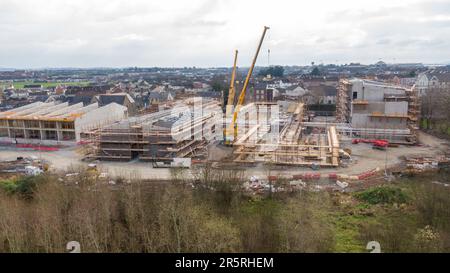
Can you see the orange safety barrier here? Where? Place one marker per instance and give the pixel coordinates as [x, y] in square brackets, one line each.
[37, 147]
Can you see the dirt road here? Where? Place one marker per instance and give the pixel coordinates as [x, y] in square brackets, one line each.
[364, 156]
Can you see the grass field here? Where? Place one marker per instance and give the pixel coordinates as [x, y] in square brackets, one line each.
[21, 84]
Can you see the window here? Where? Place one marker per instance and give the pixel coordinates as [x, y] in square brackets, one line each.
[32, 124]
[49, 124]
[16, 123]
[67, 125]
[34, 134]
[15, 133]
[355, 95]
[51, 135]
[68, 136]
[3, 132]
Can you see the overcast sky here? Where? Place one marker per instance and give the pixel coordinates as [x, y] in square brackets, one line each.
[204, 33]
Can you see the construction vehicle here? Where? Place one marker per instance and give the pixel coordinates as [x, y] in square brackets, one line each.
[379, 144]
[231, 94]
[231, 130]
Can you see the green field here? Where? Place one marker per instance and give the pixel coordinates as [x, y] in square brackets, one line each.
[21, 84]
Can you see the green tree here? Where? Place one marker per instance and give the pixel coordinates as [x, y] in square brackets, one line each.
[217, 86]
[274, 71]
[315, 71]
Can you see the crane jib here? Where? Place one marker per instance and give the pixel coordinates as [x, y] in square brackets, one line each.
[232, 127]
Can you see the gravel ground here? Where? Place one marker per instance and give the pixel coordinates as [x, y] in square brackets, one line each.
[366, 159]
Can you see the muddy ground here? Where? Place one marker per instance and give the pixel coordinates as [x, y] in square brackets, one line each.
[364, 159]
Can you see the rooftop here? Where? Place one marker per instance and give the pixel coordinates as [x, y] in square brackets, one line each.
[50, 111]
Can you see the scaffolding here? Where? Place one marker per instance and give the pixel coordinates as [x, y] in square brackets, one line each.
[413, 112]
[347, 104]
[343, 101]
[157, 137]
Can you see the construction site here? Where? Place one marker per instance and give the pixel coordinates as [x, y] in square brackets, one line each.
[236, 132]
[260, 132]
[257, 132]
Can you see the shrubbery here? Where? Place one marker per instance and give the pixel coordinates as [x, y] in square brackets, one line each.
[41, 214]
[24, 185]
[163, 217]
[383, 195]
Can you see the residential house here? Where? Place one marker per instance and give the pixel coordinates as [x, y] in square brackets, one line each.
[159, 97]
[433, 79]
[295, 92]
[119, 98]
[326, 94]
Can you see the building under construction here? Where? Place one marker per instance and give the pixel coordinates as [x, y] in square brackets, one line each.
[55, 123]
[179, 132]
[260, 132]
[378, 110]
[273, 137]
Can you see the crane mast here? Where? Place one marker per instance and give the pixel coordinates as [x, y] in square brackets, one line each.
[233, 126]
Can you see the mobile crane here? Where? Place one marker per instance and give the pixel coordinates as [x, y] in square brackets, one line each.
[231, 93]
[231, 131]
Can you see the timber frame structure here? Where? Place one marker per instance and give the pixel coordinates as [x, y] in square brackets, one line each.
[56, 123]
[157, 137]
[261, 141]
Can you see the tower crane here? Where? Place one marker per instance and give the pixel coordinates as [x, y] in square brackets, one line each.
[231, 131]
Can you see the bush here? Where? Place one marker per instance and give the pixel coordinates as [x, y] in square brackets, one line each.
[25, 186]
[9, 186]
[382, 195]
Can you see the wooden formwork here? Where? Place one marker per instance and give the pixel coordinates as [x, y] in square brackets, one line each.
[291, 147]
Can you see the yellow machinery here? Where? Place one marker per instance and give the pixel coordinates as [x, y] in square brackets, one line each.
[231, 93]
[231, 131]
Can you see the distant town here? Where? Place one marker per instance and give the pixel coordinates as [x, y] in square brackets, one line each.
[148, 86]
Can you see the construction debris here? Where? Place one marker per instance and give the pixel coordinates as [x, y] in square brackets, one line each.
[342, 184]
[23, 166]
[418, 163]
[33, 171]
[440, 183]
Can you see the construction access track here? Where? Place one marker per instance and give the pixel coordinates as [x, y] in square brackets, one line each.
[366, 159]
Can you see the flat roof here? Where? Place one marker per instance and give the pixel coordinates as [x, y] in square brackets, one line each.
[48, 111]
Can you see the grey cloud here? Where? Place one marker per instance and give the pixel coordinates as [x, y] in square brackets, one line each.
[36, 33]
[383, 41]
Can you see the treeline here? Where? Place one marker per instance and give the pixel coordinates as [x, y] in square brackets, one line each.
[434, 112]
[274, 71]
[156, 217]
[213, 214]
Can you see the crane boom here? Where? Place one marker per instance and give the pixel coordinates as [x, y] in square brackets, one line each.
[233, 127]
[232, 90]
